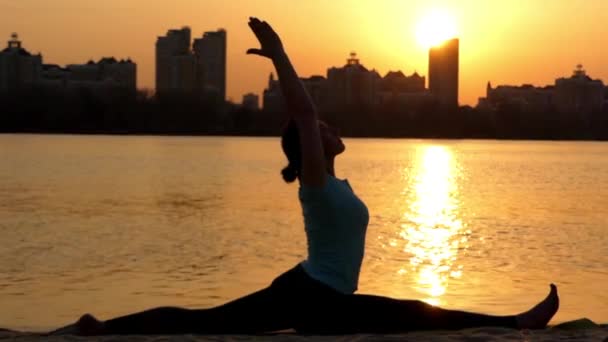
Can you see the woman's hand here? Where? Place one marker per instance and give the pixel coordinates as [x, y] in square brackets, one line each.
[269, 39]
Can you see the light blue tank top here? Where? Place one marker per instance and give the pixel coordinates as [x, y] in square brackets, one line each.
[335, 220]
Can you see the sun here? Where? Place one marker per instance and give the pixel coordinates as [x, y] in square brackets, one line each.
[435, 27]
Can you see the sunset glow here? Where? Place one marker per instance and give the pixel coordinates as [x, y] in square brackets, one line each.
[433, 234]
[436, 27]
[502, 42]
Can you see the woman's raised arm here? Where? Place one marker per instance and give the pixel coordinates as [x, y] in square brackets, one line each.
[299, 104]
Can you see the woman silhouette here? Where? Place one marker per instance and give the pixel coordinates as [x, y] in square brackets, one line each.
[316, 296]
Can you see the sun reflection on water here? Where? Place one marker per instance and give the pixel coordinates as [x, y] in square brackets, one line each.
[432, 229]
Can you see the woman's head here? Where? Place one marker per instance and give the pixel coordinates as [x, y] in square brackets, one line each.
[290, 142]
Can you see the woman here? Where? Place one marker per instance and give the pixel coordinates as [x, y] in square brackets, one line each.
[317, 296]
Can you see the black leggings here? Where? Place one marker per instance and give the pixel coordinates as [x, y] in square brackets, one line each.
[296, 301]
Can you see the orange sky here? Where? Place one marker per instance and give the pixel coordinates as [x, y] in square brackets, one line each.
[510, 41]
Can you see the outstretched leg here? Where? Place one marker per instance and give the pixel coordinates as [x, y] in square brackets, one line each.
[271, 309]
[262, 311]
[374, 314]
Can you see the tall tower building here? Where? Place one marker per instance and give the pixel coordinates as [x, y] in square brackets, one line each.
[443, 73]
[210, 52]
[172, 53]
[273, 97]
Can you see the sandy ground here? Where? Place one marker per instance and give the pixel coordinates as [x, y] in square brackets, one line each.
[469, 335]
[581, 330]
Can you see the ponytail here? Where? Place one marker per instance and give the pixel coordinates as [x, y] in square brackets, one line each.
[290, 142]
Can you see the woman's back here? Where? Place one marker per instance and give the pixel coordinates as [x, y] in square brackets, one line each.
[335, 221]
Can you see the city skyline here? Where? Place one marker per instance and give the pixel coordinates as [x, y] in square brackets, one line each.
[509, 49]
[101, 97]
[190, 67]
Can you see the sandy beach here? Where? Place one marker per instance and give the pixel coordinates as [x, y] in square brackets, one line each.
[573, 331]
[495, 334]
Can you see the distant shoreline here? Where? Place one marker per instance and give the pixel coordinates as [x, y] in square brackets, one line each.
[219, 135]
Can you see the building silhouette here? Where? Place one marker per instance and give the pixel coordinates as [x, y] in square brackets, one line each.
[395, 88]
[351, 85]
[108, 70]
[397, 82]
[175, 64]
[251, 101]
[579, 93]
[443, 73]
[18, 67]
[108, 74]
[210, 52]
[527, 97]
[198, 70]
[316, 86]
[273, 101]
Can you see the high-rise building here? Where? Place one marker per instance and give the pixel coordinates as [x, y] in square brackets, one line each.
[443, 73]
[197, 70]
[183, 74]
[173, 58]
[273, 97]
[210, 52]
[18, 67]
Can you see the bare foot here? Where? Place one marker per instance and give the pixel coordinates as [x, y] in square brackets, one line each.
[541, 314]
[87, 325]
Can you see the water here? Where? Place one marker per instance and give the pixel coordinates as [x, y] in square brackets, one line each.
[111, 225]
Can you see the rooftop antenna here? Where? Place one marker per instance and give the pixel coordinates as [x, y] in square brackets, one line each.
[579, 70]
[353, 58]
[14, 42]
